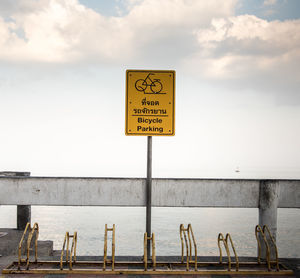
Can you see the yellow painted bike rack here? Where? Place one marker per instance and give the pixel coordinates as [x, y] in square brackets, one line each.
[105, 260]
[142, 267]
[72, 252]
[152, 238]
[31, 231]
[264, 232]
[225, 243]
[187, 234]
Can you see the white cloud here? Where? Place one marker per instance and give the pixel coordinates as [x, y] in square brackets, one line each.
[53, 33]
[65, 31]
[246, 46]
[203, 36]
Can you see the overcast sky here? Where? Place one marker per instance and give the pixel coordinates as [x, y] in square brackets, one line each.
[62, 86]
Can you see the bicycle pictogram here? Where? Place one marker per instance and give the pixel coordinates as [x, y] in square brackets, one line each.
[155, 85]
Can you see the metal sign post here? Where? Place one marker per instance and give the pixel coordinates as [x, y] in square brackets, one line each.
[150, 111]
[149, 192]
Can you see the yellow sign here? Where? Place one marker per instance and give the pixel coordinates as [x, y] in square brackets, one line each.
[150, 102]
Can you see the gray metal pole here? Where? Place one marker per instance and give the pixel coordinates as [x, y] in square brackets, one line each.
[149, 192]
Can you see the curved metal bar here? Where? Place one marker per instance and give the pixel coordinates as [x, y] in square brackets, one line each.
[181, 229]
[71, 251]
[67, 249]
[113, 248]
[30, 235]
[36, 241]
[105, 248]
[265, 227]
[145, 251]
[63, 249]
[258, 229]
[184, 231]
[153, 252]
[190, 231]
[74, 241]
[190, 243]
[21, 243]
[75, 234]
[232, 247]
[187, 251]
[221, 238]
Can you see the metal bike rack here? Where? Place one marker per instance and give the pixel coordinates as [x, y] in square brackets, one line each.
[225, 243]
[188, 233]
[152, 239]
[141, 267]
[105, 260]
[72, 252]
[264, 232]
[31, 231]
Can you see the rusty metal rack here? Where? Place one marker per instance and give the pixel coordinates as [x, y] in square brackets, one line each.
[225, 243]
[264, 232]
[145, 259]
[30, 234]
[72, 252]
[188, 233]
[189, 263]
[105, 259]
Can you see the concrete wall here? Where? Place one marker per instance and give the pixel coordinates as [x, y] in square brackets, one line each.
[132, 192]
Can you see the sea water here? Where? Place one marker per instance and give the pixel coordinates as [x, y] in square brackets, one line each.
[207, 223]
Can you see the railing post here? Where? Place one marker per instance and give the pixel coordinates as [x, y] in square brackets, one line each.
[23, 216]
[23, 211]
[268, 203]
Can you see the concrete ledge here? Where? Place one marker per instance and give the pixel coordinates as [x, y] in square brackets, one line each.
[205, 193]
[132, 192]
[289, 194]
